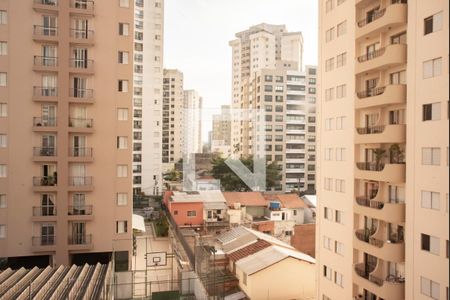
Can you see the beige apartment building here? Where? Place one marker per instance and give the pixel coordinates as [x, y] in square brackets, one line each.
[173, 118]
[382, 215]
[221, 131]
[65, 131]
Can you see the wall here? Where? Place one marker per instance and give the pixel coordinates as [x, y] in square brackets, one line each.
[304, 238]
[181, 217]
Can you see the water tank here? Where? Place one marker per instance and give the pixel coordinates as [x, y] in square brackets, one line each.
[274, 205]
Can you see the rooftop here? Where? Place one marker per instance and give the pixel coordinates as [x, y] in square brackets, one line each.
[244, 198]
[287, 200]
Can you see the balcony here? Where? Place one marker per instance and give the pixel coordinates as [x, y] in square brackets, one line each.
[44, 183]
[386, 211]
[44, 213]
[83, 212]
[45, 64]
[79, 154]
[81, 125]
[80, 242]
[79, 7]
[81, 66]
[44, 124]
[81, 36]
[45, 33]
[382, 21]
[387, 95]
[43, 243]
[390, 288]
[80, 183]
[44, 154]
[46, 94]
[81, 95]
[383, 58]
[390, 134]
[394, 173]
[386, 250]
[45, 5]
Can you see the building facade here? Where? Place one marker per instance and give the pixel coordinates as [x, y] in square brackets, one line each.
[192, 122]
[221, 131]
[382, 218]
[147, 96]
[65, 131]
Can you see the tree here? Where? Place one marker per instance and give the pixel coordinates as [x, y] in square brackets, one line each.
[173, 175]
[379, 155]
[230, 182]
[396, 153]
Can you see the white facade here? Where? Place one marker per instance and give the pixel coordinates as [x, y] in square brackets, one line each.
[192, 124]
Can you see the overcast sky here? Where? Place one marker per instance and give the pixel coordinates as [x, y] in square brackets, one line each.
[197, 33]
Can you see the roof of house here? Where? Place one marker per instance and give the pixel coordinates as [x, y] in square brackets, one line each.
[249, 250]
[287, 200]
[310, 200]
[198, 196]
[268, 257]
[245, 198]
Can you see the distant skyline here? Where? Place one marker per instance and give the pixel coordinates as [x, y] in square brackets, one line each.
[197, 33]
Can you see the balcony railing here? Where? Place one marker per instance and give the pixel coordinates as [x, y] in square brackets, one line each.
[40, 211]
[82, 34]
[46, 240]
[81, 93]
[80, 123]
[41, 91]
[81, 63]
[365, 236]
[80, 152]
[46, 2]
[84, 210]
[39, 30]
[80, 4]
[44, 151]
[80, 239]
[371, 55]
[370, 166]
[371, 129]
[371, 92]
[44, 122]
[45, 61]
[378, 14]
[80, 180]
[44, 181]
[365, 201]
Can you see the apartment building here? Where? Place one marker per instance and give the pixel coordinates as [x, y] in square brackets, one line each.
[382, 218]
[192, 122]
[173, 118]
[147, 95]
[221, 131]
[65, 131]
[260, 46]
[287, 97]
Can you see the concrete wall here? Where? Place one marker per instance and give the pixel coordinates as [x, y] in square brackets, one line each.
[179, 212]
[304, 238]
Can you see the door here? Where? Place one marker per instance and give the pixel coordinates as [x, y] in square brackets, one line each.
[48, 145]
[79, 233]
[371, 189]
[371, 14]
[49, 55]
[81, 28]
[81, 4]
[78, 118]
[79, 145]
[49, 176]
[80, 58]
[396, 116]
[47, 234]
[48, 205]
[48, 115]
[79, 202]
[49, 25]
[78, 175]
[79, 87]
[371, 50]
[49, 83]
[371, 84]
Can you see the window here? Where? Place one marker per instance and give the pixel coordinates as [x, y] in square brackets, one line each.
[2, 201]
[329, 124]
[398, 77]
[121, 226]
[340, 122]
[432, 23]
[341, 60]
[3, 171]
[3, 48]
[329, 34]
[324, 297]
[123, 57]
[122, 114]
[3, 79]
[123, 86]
[338, 279]
[3, 17]
[329, 5]
[339, 248]
[122, 171]
[432, 68]
[329, 94]
[122, 142]
[340, 186]
[430, 200]
[431, 156]
[328, 153]
[430, 243]
[122, 199]
[327, 243]
[3, 110]
[124, 3]
[339, 217]
[2, 231]
[342, 28]
[329, 64]
[3, 140]
[327, 272]
[124, 29]
[191, 213]
[431, 111]
[429, 288]
[340, 154]
[328, 213]
[328, 185]
[341, 91]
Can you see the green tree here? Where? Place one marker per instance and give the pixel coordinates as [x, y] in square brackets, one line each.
[230, 182]
[173, 175]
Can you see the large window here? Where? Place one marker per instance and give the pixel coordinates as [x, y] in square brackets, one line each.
[431, 156]
[121, 226]
[431, 111]
[432, 23]
[429, 288]
[430, 200]
[329, 64]
[429, 243]
[432, 68]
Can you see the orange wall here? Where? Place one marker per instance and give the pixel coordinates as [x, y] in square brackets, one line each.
[179, 213]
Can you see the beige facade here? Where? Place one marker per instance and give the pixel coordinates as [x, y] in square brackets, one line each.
[382, 181]
[65, 126]
[173, 118]
[221, 131]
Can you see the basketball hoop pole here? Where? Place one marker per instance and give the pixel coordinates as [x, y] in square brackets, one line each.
[146, 266]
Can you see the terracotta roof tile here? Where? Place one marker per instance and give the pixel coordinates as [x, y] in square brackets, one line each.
[249, 250]
[245, 198]
[287, 200]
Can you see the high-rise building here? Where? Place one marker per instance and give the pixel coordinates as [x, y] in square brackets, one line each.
[65, 131]
[173, 118]
[192, 122]
[147, 96]
[221, 131]
[382, 215]
[260, 46]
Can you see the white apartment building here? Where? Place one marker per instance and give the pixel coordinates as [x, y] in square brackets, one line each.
[221, 132]
[192, 122]
[147, 100]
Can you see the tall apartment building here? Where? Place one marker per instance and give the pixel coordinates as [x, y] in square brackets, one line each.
[260, 46]
[173, 118]
[221, 131]
[65, 131]
[192, 122]
[382, 217]
[147, 99]
[288, 98]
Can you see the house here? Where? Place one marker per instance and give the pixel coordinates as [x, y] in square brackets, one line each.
[186, 208]
[245, 207]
